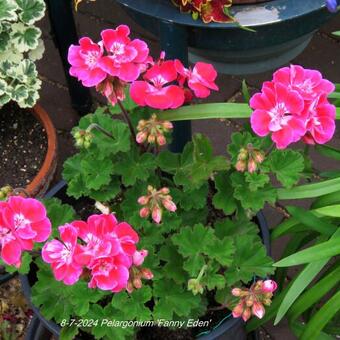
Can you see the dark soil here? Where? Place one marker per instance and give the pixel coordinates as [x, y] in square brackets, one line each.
[23, 146]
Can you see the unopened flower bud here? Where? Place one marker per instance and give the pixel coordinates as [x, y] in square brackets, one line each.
[141, 137]
[151, 139]
[246, 314]
[161, 140]
[87, 144]
[269, 286]
[146, 274]
[258, 156]
[137, 283]
[167, 125]
[164, 191]
[157, 214]
[236, 291]
[195, 286]
[242, 156]
[144, 212]
[138, 257]
[143, 200]
[252, 166]
[129, 287]
[241, 166]
[249, 300]
[267, 302]
[169, 205]
[258, 309]
[238, 310]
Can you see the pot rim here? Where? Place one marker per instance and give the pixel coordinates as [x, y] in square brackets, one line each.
[39, 185]
[250, 15]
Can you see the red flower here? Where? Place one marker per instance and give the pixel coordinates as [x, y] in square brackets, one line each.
[155, 91]
[201, 79]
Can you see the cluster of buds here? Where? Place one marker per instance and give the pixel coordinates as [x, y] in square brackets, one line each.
[153, 130]
[83, 138]
[249, 158]
[136, 274]
[5, 192]
[154, 202]
[253, 300]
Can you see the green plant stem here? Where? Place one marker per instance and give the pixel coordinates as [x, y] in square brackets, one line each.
[95, 126]
[128, 121]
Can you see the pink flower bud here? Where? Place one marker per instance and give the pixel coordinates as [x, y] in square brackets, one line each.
[144, 212]
[151, 139]
[129, 287]
[246, 314]
[258, 309]
[137, 283]
[258, 156]
[169, 205]
[241, 166]
[143, 200]
[269, 286]
[164, 190]
[252, 165]
[157, 214]
[238, 310]
[146, 274]
[141, 137]
[138, 257]
[167, 125]
[161, 140]
[236, 291]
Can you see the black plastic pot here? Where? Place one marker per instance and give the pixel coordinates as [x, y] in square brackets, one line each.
[6, 277]
[283, 29]
[230, 329]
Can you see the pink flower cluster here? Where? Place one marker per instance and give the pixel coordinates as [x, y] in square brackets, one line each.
[294, 106]
[117, 60]
[106, 248]
[23, 222]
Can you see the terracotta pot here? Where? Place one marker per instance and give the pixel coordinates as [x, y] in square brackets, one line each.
[40, 183]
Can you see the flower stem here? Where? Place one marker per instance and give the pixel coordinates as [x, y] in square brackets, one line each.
[95, 126]
[127, 119]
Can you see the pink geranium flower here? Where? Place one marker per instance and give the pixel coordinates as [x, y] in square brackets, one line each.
[155, 91]
[61, 255]
[110, 273]
[126, 59]
[23, 221]
[201, 79]
[308, 83]
[320, 121]
[85, 60]
[278, 110]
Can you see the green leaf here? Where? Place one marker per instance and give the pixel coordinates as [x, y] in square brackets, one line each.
[168, 161]
[207, 111]
[222, 251]
[191, 199]
[331, 210]
[310, 190]
[212, 279]
[287, 166]
[198, 163]
[256, 180]
[250, 199]
[133, 166]
[309, 219]
[67, 300]
[321, 318]
[128, 103]
[7, 10]
[315, 293]
[103, 146]
[301, 282]
[328, 151]
[172, 300]
[319, 252]
[245, 91]
[132, 306]
[58, 213]
[224, 198]
[250, 259]
[173, 269]
[68, 332]
[330, 199]
[31, 10]
[235, 228]
[25, 38]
